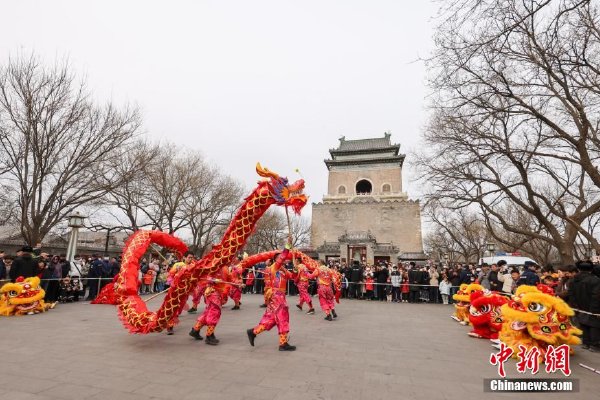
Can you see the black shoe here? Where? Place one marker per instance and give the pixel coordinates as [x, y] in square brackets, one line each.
[263, 306]
[195, 334]
[311, 311]
[192, 310]
[212, 340]
[235, 308]
[333, 313]
[594, 349]
[287, 347]
[328, 317]
[170, 331]
[251, 336]
[299, 307]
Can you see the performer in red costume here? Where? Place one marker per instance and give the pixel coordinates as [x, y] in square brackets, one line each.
[234, 275]
[325, 278]
[277, 312]
[302, 283]
[214, 297]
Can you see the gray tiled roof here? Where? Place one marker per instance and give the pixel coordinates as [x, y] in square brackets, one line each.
[365, 144]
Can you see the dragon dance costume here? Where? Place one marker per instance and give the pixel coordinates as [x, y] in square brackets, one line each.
[277, 312]
[215, 295]
[234, 275]
[325, 278]
[302, 283]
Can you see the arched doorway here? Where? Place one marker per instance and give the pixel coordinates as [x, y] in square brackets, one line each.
[363, 187]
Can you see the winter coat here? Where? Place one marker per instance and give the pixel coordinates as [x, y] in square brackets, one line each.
[495, 284]
[445, 287]
[528, 277]
[433, 277]
[24, 266]
[584, 294]
[396, 279]
[507, 282]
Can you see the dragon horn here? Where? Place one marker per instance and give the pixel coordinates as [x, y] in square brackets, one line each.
[265, 172]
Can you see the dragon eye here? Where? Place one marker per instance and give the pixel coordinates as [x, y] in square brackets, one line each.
[546, 329]
[536, 307]
[485, 308]
[12, 293]
[562, 327]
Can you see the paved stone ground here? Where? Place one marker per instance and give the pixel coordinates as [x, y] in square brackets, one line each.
[374, 351]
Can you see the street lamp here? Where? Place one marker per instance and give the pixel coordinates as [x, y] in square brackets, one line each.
[491, 247]
[75, 222]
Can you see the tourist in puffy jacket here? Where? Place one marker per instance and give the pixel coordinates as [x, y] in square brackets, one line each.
[445, 286]
[396, 281]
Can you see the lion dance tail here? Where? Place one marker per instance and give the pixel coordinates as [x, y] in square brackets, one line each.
[132, 309]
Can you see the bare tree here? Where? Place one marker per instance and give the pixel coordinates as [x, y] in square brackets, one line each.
[170, 180]
[515, 121]
[461, 232]
[126, 203]
[210, 206]
[272, 232]
[56, 144]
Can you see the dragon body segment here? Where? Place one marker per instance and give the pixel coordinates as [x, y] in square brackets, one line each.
[132, 309]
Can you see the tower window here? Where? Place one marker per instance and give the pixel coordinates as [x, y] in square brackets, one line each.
[386, 188]
[363, 187]
[342, 190]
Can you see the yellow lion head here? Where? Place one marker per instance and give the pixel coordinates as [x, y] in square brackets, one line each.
[545, 316]
[22, 297]
[464, 292]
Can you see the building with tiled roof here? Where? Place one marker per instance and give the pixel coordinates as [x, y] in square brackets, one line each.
[365, 214]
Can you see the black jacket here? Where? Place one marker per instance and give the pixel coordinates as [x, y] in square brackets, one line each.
[357, 274]
[383, 275]
[584, 294]
[495, 284]
[24, 266]
[528, 277]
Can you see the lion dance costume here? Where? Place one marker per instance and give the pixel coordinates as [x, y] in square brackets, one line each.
[535, 318]
[463, 302]
[23, 297]
[485, 315]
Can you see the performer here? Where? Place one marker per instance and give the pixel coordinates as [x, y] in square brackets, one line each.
[234, 275]
[266, 275]
[214, 297]
[277, 312]
[302, 284]
[325, 278]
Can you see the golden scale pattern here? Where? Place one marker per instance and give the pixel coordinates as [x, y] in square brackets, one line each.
[221, 255]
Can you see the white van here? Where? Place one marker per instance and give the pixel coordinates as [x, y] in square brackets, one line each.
[511, 261]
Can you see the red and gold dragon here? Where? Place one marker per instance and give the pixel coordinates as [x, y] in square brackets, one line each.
[134, 314]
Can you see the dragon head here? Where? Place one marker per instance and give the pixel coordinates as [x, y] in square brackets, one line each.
[23, 296]
[545, 316]
[284, 193]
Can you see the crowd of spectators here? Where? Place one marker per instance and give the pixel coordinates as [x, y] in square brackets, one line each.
[578, 284]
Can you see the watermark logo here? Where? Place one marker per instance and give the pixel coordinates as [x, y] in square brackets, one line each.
[554, 358]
